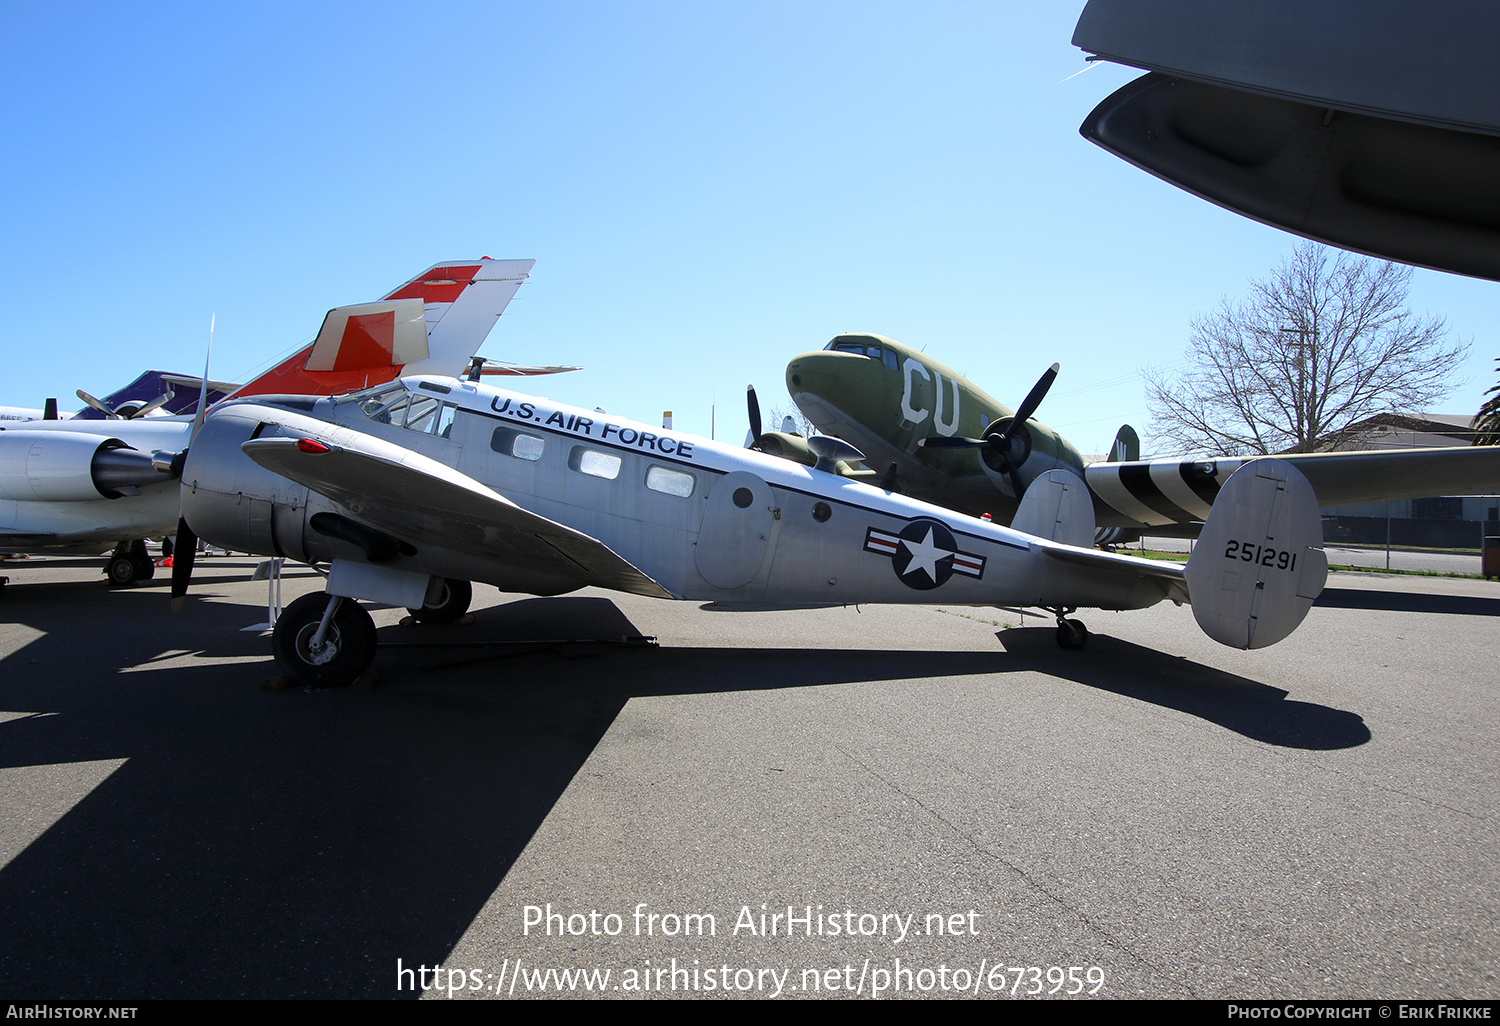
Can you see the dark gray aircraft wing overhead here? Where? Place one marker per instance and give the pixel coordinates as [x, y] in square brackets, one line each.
[1371, 125]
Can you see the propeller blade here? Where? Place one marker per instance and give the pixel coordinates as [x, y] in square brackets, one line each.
[184, 550]
[753, 405]
[955, 442]
[49, 410]
[1016, 484]
[203, 389]
[1036, 395]
[1000, 442]
[154, 404]
[96, 404]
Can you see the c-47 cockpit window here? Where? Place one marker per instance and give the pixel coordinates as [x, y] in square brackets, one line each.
[874, 352]
[857, 348]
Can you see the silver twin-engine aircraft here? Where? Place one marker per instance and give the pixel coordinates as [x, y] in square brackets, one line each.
[412, 489]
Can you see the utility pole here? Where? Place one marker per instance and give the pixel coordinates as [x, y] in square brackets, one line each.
[1303, 404]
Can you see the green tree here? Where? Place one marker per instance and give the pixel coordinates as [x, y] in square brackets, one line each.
[1321, 343]
[1487, 421]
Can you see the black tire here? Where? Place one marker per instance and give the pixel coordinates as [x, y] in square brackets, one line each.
[122, 570]
[1072, 635]
[454, 603]
[145, 569]
[349, 645]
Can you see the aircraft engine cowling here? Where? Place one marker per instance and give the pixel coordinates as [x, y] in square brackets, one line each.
[229, 499]
[1033, 451]
[71, 466]
[787, 446]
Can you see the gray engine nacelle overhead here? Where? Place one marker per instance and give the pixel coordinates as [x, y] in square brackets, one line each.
[71, 466]
[1370, 126]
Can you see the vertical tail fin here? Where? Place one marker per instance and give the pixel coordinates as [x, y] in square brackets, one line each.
[1259, 562]
[432, 324]
[1127, 447]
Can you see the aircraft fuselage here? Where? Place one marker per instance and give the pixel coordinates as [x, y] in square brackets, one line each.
[701, 519]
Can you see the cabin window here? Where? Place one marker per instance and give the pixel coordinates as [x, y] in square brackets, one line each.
[595, 463]
[514, 443]
[672, 482]
[889, 356]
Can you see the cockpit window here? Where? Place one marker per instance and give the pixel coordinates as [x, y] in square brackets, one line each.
[857, 348]
[393, 413]
[420, 411]
[874, 352]
[372, 400]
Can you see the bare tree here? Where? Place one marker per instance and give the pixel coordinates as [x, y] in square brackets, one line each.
[1322, 343]
[778, 415]
[1487, 421]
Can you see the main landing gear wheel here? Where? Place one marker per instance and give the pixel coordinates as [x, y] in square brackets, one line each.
[1071, 634]
[347, 648]
[453, 602]
[129, 563]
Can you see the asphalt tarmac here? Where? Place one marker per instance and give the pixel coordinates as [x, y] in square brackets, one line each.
[887, 801]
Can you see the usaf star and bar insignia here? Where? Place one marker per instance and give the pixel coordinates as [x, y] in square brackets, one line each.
[924, 555]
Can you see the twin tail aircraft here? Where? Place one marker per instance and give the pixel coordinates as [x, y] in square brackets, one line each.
[408, 492]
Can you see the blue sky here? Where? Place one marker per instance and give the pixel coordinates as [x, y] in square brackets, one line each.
[708, 188]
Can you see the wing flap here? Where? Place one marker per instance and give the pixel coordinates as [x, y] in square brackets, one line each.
[426, 502]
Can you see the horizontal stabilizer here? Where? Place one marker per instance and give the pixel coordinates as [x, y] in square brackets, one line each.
[370, 335]
[1259, 562]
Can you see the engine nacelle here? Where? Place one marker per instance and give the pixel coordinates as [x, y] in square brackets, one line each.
[1034, 450]
[70, 466]
[241, 505]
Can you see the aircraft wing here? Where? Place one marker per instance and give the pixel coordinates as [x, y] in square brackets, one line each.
[1149, 493]
[424, 502]
[1373, 127]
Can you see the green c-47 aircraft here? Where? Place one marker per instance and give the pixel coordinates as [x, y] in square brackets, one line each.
[939, 438]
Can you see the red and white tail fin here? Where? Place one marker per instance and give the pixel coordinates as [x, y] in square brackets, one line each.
[432, 324]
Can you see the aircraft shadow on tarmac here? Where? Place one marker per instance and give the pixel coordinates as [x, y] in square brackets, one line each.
[1409, 602]
[1247, 707]
[295, 844]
